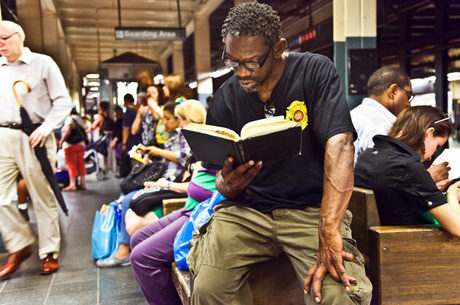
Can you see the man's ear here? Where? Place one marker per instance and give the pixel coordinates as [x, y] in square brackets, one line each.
[280, 47]
[391, 91]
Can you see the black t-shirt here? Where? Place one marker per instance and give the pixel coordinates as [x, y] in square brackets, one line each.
[309, 92]
[400, 182]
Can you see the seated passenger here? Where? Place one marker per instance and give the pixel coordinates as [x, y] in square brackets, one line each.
[176, 154]
[393, 169]
[304, 197]
[389, 92]
[190, 111]
[152, 246]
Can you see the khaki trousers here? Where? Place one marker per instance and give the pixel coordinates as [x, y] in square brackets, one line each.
[235, 238]
[16, 154]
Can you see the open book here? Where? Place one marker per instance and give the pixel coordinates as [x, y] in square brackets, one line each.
[137, 153]
[453, 157]
[261, 140]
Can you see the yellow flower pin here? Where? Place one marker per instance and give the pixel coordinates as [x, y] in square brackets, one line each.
[297, 112]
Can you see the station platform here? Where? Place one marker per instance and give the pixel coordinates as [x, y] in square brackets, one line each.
[78, 280]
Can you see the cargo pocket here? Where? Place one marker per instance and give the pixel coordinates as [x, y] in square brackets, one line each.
[197, 253]
[361, 292]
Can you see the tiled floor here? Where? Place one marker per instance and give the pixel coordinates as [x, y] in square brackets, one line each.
[78, 280]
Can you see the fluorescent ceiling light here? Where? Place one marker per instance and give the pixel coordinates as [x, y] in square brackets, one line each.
[94, 89]
[96, 84]
[92, 75]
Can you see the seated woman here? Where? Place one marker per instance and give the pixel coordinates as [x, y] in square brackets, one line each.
[176, 154]
[140, 214]
[152, 246]
[393, 169]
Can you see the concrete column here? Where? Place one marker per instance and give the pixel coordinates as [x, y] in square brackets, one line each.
[30, 19]
[203, 58]
[340, 53]
[355, 27]
[163, 60]
[178, 58]
[441, 56]
[51, 44]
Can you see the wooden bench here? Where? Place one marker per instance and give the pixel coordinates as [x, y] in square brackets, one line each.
[271, 282]
[406, 264]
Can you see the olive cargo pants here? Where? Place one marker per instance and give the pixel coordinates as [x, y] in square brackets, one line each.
[237, 237]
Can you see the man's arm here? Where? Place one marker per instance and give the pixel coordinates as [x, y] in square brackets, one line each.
[337, 189]
[126, 131]
[66, 131]
[62, 104]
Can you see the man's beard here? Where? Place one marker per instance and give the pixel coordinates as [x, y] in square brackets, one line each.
[256, 80]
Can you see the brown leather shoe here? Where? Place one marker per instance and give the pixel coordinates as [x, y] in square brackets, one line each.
[50, 265]
[13, 262]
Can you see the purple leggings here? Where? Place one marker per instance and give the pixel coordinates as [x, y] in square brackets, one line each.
[152, 255]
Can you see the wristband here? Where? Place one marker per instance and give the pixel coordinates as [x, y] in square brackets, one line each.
[168, 186]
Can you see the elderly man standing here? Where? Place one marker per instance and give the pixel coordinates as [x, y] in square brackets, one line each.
[48, 104]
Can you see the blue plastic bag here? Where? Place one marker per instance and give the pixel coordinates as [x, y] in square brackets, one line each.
[199, 217]
[104, 238]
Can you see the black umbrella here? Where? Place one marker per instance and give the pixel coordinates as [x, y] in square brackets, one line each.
[40, 152]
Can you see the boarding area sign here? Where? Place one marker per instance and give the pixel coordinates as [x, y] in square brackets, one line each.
[122, 33]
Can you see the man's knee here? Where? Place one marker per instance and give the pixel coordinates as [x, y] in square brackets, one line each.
[220, 286]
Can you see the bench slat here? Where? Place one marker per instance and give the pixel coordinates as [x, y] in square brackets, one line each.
[181, 280]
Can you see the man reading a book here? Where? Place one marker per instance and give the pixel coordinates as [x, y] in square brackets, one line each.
[296, 205]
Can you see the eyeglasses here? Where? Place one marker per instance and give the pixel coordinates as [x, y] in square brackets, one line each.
[247, 65]
[269, 109]
[410, 95]
[4, 39]
[442, 120]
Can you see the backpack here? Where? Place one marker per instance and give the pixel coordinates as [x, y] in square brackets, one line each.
[107, 124]
[77, 134]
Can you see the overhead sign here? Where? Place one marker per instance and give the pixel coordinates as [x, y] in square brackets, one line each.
[122, 33]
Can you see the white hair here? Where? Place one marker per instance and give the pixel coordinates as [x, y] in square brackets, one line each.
[14, 27]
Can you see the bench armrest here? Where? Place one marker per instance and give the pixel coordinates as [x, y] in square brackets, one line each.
[414, 265]
[171, 205]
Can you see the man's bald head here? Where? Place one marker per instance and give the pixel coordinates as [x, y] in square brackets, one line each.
[13, 27]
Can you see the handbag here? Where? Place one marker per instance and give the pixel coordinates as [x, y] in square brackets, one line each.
[146, 200]
[199, 217]
[77, 134]
[150, 171]
[104, 237]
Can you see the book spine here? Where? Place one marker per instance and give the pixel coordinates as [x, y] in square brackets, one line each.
[242, 151]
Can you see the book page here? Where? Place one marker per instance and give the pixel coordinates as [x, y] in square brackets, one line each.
[453, 157]
[212, 130]
[265, 126]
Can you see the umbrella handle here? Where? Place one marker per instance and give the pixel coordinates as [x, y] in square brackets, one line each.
[14, 90]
